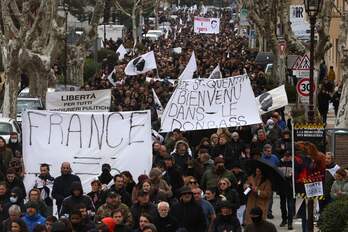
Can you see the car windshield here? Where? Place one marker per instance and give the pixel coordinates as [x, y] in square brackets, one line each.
[27, 104]
[5, 128]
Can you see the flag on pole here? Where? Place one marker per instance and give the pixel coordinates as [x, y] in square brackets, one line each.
[121, 50]
[216, 73]
[272, 100]
[141, 64]
[191, 67]
[158, 105]
[112, 77]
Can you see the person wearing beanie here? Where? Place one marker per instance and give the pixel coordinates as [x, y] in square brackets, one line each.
[32, 217]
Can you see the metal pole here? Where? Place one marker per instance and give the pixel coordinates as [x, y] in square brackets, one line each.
[310, 208]
[311, 73]
[293, 158]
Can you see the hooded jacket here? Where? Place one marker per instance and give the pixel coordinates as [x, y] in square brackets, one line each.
[62, 186]
[72, 202]
[31, 222]
[190, 216]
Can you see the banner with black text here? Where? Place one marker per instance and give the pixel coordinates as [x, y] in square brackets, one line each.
[87, 140]
[96, 100]
[199, 104]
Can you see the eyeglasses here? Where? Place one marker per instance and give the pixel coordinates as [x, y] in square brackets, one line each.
[193, 182]
[222, 183]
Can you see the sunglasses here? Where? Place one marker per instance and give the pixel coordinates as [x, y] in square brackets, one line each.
[193, 182]
[222, 183]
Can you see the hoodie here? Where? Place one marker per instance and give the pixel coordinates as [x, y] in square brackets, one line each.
[31, 222]
[74, 201]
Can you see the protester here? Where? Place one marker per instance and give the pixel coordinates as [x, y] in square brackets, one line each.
[32, 216]
[97, 194]
[5, 157]
[62, 184]
[35, 197]
[188, 213]
[44, 182]
[260, 190]
[340, 186]
[164, 221]
[226, 219]
[259, 223]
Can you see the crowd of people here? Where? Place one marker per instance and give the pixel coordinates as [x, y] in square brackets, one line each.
[199, 181]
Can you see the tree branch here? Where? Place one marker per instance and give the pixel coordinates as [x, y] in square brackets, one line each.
[119, 7]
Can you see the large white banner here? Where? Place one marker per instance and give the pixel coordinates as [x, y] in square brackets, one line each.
[206, 25]
[211, 103]
[96, 100]
[272, 100]
[87, 140]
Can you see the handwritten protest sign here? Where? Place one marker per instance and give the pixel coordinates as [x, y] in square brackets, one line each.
[314, 189]
[87, 140]
[211, 103]
[96, 100]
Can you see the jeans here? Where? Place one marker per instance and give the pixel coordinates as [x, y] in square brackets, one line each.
[303, 213]
[287, 207]
[270, 204]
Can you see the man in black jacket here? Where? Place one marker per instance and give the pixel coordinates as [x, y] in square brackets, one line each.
[62, 184]
[172, 174]
[164, 221]
[76, 199]
[188, 213]
[143, 205]
[119, 188]
[227, 219]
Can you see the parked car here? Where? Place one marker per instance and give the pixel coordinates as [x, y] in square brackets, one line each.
[8, 125]
[25, 103]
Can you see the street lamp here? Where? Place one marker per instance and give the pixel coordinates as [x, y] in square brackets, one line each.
[313, 8]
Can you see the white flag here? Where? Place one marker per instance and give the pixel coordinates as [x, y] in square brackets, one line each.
[121, 51]
[141, 64]
[216, 73]
[158, 105]
[191, 67]
[112, 77]
[272, 100]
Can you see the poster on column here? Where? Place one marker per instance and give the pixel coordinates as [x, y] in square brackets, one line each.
[206, 25]
[199, 104]
[87, 140]
[96, 100]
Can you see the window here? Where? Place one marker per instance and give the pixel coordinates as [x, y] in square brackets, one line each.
[5, 128]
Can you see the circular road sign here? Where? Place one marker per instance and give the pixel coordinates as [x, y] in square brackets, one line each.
[303, 87]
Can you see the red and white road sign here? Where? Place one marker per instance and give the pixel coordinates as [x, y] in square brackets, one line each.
[303, 87]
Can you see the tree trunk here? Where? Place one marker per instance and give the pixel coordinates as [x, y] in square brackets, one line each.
[12, 77]
[76, 64]
[134, 25]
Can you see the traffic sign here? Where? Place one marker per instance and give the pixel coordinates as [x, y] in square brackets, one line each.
[303, 87]
[303, 64]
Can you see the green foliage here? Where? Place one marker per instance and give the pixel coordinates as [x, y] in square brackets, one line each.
[107, 56]
[291, 92]
[334, 218]
[90, 69]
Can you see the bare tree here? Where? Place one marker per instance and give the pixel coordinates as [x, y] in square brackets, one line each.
[266, 15]
[77, 53]
[136, 4]
[342, 115]
[29, 36]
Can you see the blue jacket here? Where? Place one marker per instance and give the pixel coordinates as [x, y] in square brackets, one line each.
[31, 222]
[272, 160]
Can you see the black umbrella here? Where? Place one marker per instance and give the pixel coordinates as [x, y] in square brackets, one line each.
[270, 172]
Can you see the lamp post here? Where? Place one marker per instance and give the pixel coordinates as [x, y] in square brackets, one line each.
[313, 8]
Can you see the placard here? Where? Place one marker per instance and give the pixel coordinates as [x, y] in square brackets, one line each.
[87, 140]
[206, 25]
[199, 104]
[314, 189]
[96, 100]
